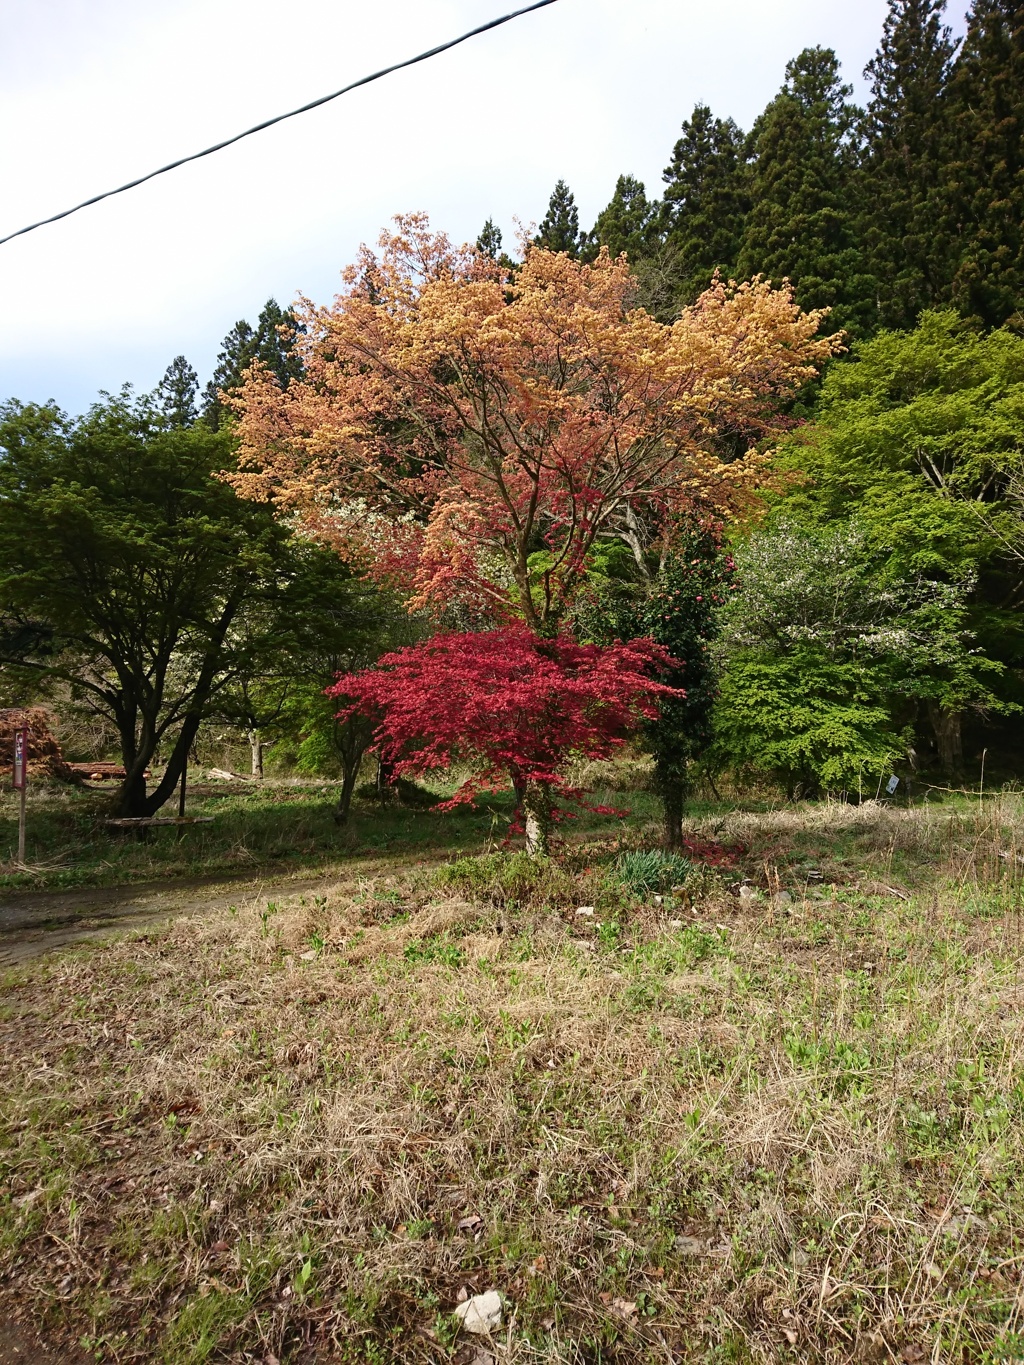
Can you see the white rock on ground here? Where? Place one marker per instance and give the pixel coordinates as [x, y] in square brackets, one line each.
[481, 1314]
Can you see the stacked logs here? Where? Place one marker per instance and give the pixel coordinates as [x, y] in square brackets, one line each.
[44, 754]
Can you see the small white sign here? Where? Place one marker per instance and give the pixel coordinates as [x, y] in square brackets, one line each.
[892, 784]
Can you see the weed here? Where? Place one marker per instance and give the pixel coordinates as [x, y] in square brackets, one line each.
[645, 871]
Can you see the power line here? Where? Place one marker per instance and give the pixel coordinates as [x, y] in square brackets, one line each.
[279, 118]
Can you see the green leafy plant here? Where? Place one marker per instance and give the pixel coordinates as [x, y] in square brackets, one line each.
[645, 871]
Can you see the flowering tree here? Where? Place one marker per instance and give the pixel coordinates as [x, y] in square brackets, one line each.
[468, 433]
[515, 705]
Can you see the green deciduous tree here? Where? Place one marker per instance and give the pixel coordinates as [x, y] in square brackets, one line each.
[128, 570]
[904, 131]
[829, 654]
[803, 223]
[917, 438]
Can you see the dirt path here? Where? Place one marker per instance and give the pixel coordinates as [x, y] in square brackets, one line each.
[20, 1345]
[36, 922]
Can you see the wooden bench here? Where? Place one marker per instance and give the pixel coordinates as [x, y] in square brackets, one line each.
[152, 821]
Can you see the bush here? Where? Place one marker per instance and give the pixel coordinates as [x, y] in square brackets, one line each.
[509, 879]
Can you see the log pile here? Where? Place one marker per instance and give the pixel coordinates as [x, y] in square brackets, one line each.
[44, 754]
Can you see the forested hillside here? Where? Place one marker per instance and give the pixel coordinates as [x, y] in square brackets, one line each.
[914, 202]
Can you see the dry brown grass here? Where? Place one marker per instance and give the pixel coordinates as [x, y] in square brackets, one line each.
[777, 1131]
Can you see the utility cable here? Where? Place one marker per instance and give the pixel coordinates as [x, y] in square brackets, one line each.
[279, 118]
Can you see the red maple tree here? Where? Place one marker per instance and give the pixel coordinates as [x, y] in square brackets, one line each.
[513, 705]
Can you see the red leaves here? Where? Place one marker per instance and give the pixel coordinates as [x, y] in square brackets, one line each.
[511, 704]
[711, 854]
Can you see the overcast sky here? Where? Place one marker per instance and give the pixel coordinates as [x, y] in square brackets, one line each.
[95, 92]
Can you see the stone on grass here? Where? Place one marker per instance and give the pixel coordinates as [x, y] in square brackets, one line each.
[481, 1314]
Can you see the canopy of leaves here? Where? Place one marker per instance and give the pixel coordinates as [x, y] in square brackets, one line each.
[470, 435]
[917, 436]
[827, 654]
[510, 703]
[127, 569]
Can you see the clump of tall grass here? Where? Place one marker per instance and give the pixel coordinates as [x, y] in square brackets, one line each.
[645, 871]
[508, 879]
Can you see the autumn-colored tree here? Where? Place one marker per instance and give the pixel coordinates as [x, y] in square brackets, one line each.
[513, 704]
[469, 433]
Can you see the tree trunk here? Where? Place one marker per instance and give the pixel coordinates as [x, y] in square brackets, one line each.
[132, 799]
[350, 772]
[385, 778]
[537, 817]
[673, 795]
[256, 747]
[948, 728]
[344, 807]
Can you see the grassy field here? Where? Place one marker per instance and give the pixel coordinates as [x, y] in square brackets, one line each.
[272, 826]
[771, 1115]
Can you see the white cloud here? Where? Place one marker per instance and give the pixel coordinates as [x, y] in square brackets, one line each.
[94, 92]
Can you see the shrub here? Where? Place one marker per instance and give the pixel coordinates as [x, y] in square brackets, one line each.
[509, 879]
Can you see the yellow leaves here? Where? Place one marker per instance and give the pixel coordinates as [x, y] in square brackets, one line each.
[503, 412]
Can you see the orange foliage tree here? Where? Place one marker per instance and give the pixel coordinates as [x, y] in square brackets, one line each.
[467, 433]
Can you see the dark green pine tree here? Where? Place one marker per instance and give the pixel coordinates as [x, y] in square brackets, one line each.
[803, 223]
[244, 344]
[984, 191]
[176, 393]
[235, 357]
[707, 199]
[489, 241]
[276, 331]
[629, 223]
[903, 133]
[560, 230]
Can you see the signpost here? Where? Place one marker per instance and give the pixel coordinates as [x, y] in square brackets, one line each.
[21, 783]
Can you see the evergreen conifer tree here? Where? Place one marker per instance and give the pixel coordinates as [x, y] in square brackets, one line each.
[176, 393]
[984, 189]
[234, 359]
[707, 198]
[902, 154]
[803, 223]
[489, 241]
[629, 223]
[244, 344]
[560, 230]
